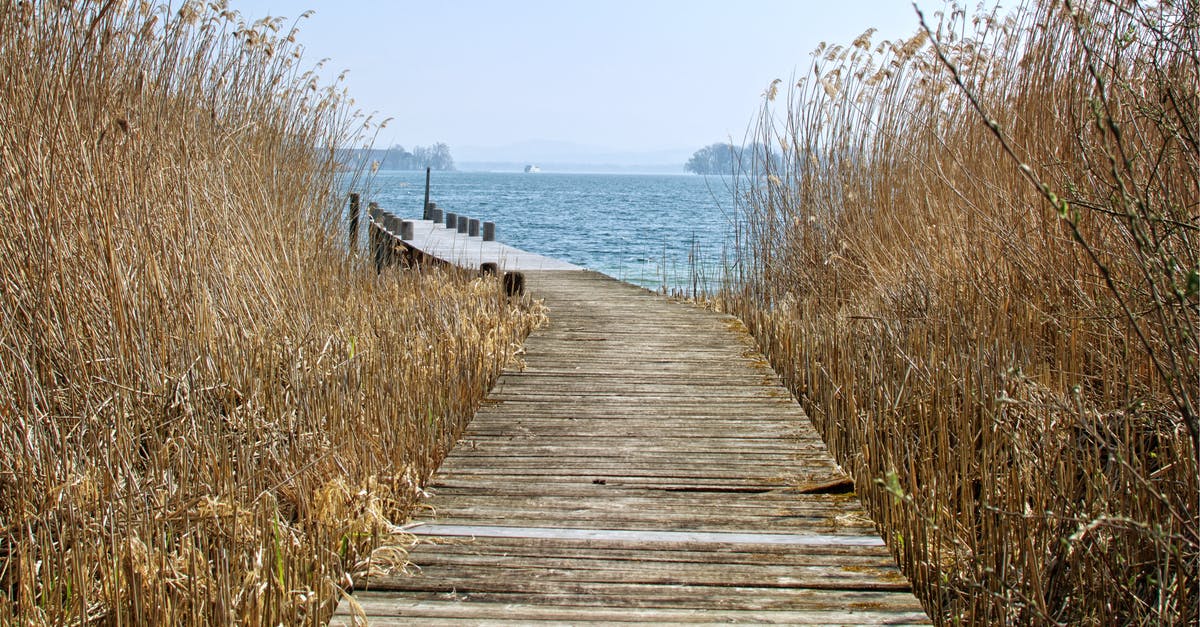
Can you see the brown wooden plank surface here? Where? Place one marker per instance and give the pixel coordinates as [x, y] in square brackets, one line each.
[644, 466]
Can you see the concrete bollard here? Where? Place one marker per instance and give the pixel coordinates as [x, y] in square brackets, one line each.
[451, 220]
[514, 283]
[489, 268]
[489, 231]
[462, 224]
[473, 228]
[406, 230]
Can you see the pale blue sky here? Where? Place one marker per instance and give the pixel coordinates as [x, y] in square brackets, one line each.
[619, 75]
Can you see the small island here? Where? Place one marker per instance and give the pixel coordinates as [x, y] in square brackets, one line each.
[436, 157]
[726, 159]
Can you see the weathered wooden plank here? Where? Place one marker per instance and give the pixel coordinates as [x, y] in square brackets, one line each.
[664, 523]
[501, 589]
[758, 483]
[383, 608]
[444, 530]
[460, 573]
[651, 490]
[650, 549]
[452, 504]
[493, 457]
[716, 561]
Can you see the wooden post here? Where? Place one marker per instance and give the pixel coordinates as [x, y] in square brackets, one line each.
[452, 220]
[472, 228]
[462, 224]
[432, 212]
[355, 208]
[489, 268]
[426, 205]
[376, 236]
[489, 231]
[406, 230]
[391, 232]
[514, 283]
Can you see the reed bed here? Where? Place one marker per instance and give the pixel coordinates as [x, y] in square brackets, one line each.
[975, 261]
[209, 411]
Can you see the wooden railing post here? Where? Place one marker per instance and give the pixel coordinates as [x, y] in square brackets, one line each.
[426, 205]
[355, 207]
[376, 236]
[514, 283]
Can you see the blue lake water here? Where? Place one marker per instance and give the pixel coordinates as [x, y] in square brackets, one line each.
[653, 230]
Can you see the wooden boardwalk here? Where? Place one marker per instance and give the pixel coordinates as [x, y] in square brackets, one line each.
[644, 466]
[470, 252]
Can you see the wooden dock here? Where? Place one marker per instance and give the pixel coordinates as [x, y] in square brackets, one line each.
[433, 239]
[644, 466]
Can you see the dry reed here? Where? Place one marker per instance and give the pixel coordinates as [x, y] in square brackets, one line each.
[208, 411]
[977, 266]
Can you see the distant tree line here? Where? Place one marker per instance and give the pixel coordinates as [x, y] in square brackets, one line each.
[727, 159]
[436, 156]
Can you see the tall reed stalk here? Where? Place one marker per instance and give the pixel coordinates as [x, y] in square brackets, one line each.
[208, 411]
[976, 263]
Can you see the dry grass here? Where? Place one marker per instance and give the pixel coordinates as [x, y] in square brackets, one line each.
[977, 266]
[207, 410]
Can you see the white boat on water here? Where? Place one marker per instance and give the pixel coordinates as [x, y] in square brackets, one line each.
[530, 169]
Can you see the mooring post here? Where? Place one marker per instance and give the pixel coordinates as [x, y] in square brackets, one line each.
[489, 268]
[391, 227]
[406, 230]
[426, 205]
[432, 212]
[375, 236]
[462, 224]
[355, 207]
[451, 220]
[473, 228]
[489, 231]
[514, 283]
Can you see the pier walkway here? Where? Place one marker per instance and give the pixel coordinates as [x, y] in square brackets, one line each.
[645, 465]
[433, 239]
